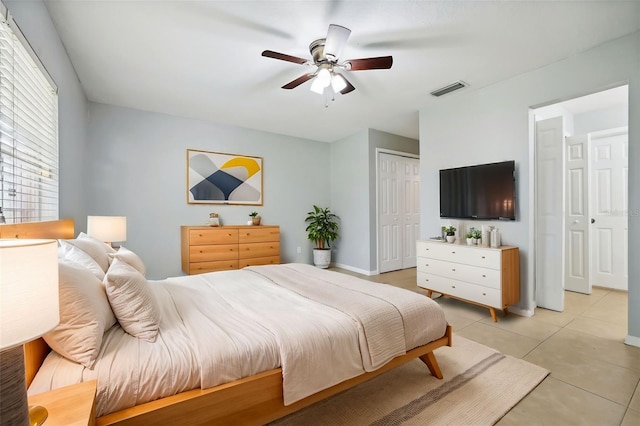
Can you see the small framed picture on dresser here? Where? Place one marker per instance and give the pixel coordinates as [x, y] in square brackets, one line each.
[219, 178]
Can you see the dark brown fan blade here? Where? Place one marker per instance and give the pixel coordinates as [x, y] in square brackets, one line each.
[298, 81]
[284, 57]
[379, 63]
[349, 87]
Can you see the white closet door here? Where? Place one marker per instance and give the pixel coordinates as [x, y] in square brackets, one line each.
[609, 209]
[410, 210]
[549, 184]
[389, 217]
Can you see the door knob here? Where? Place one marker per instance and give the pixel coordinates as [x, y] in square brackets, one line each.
[593, 220]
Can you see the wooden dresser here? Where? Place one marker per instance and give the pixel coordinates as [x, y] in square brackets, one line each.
[207, 249]
[485, 276]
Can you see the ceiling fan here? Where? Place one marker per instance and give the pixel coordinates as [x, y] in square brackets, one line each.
[326, 53]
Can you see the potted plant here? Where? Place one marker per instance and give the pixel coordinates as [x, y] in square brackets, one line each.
[450, 232]
[255, 218]
[473, 235]
[322, 229]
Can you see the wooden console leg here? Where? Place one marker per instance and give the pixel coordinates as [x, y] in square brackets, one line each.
[493, 314]
[429, 293]
[431, 362]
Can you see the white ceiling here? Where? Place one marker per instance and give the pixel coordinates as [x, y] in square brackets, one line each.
[201, 59]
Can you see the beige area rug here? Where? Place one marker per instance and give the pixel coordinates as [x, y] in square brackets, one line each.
[480, 386]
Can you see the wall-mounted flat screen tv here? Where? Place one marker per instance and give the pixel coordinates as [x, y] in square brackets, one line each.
[484, 191]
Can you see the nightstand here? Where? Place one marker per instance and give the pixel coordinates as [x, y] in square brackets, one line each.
[70, 405]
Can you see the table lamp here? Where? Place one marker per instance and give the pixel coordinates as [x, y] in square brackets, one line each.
[29, 308]
[107, 229]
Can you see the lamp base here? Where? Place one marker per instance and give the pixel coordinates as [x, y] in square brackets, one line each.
[13, 388]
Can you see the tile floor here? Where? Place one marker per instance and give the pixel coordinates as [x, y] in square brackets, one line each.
[595, 377]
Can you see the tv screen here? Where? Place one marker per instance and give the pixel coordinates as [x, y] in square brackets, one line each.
[484, 191]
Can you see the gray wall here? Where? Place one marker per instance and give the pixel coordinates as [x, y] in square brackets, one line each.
[603, 119]
[493, 124]
[34, 21]
[353, 195]
[137, 163]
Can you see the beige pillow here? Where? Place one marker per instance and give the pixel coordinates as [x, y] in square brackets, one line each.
[98, 250]
[74, 254]
[132, 300]
[85, 314]
[129, 257]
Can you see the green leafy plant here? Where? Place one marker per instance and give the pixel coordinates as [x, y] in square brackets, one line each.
[475, 233]
[253, 214]
[449, 230]
[323, 226]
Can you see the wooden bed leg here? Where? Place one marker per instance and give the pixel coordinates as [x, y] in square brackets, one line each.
[432, 363]
[506, 311]
[493, 314]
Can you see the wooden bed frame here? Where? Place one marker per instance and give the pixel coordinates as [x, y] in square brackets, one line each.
[253, 400]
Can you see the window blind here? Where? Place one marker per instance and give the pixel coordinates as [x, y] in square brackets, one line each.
[28, 133]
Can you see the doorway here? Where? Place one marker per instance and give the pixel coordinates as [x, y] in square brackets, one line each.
[398, 206]
[584, 225]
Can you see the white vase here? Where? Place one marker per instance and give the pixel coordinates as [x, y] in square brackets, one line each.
[322, 257]
[451, 238]
[470, 241]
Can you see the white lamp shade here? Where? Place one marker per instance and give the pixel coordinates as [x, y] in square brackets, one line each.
[29, 303]
[317, 86]
[107, 229]
[338, 83]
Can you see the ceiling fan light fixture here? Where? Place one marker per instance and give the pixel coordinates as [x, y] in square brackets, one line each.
[324, 77]
[317, 86]
[338, 83]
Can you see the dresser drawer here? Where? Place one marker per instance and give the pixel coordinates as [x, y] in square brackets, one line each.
[258, 234]
[476, 256]
[213, 252]
[460, 289]
[220, 265]
[458, 271]
[256, 261]
[210, 236]
[247, 251]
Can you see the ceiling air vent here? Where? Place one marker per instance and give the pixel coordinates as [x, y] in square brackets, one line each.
[450, 88]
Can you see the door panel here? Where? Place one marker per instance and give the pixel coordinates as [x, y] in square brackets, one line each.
[549, 265]
[576, 221]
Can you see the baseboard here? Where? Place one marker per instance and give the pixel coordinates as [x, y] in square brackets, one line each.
[632, 341]
[352, 269]
[521, 312]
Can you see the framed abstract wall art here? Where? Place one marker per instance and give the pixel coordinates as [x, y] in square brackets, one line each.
[218, 178]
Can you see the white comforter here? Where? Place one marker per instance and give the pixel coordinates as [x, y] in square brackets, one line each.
[321, 327]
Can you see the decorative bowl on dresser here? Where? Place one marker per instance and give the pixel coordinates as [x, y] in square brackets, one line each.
[484, 276]
[208, 249]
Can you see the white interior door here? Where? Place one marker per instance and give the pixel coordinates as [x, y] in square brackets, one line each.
[576, 220]
[389, 217]
[398, 211]
[549, 184]
[609, 209]
[410, 210]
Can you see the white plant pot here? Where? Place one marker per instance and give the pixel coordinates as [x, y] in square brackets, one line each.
[322, 257]
[451, 238]
[470, 241]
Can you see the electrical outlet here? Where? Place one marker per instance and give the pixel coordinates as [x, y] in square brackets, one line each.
[299, 250]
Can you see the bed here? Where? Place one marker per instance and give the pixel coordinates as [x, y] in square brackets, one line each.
[273, 384]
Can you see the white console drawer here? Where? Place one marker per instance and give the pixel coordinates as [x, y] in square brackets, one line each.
[476, 256]
[463, 290]
[458, 271]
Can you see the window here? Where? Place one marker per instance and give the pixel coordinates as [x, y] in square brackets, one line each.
[28, 131]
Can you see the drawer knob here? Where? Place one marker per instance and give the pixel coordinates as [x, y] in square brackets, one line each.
[426, 264]
[483, 257]
[426, 279]
[453, 269]
[453, 252]
[484, 294]
[453, 286]
[484, 276]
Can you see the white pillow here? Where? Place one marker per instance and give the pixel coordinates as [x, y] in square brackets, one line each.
[132, 301]
[127, 256]
[85, 314]
[98, 250]
[79, 257]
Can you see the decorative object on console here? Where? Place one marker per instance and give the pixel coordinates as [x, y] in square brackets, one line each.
[323, 228]
[495, 238]
[213, 220]
[450, 233]
[217, 178]
[473, 235]
[486, 235]
[29, 308]
[255, 218]
[108, 229]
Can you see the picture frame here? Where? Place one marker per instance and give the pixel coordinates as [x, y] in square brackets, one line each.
[221, 178]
